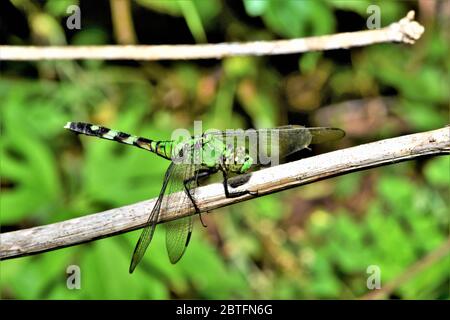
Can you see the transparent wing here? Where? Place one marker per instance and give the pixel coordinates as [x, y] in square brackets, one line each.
[281, 141]
[149, 230]
[325, 134]
[178, 232]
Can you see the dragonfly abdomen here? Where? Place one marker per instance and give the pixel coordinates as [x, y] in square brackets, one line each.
[161, 148]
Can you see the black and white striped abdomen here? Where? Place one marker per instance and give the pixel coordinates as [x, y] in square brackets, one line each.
[158, 147]
[102, 132]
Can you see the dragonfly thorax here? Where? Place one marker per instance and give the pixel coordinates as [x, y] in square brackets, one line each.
[236, 160]
[211, 152]
[219, 155]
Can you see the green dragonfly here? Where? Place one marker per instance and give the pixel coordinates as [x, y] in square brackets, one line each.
[230, 152]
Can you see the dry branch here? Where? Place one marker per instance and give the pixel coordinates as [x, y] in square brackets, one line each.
[270, 180]
[405, 30]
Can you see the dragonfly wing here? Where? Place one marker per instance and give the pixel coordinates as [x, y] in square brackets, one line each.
[280, 141]
[325, 134]
[266, 143]
[149, 230]
[295, 138]
[178, 234]
[178, 231]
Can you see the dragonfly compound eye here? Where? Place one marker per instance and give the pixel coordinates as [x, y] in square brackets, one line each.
[248, 161]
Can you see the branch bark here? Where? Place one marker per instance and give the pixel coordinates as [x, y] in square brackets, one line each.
[405, 30]
[266, 181]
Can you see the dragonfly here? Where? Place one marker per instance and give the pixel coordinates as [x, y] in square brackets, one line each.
[195, 158]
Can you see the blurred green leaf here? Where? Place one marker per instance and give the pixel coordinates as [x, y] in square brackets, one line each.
[48, 28]
[437, 171]
[298, 18]
[348, 185]
[197, 13]
[91, 36]
[168, 7]
[308, 62]
[397, 191]
[27, 162]
[356, 6]
[255, 7]
[419, 115]
[58, 8]
[193, 20]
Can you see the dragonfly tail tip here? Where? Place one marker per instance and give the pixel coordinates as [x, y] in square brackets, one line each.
[68, 124]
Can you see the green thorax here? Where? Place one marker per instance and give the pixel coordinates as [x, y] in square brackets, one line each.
[212, 152]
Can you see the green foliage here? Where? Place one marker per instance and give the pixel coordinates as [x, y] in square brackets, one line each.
[434, 172]
[394, 233]
[315, 241]
[197, 13]
[26, 163]
[293, 18]
[58, 8]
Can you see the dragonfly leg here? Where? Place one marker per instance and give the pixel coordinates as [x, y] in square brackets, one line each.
[229, 194]
[199, 174]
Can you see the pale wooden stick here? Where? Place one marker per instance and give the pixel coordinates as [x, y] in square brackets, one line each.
[406, 30]
[274, 179]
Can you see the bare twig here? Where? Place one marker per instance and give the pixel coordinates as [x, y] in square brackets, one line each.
[406, 30]
[274, 179]
[411, 272]
[122, 21]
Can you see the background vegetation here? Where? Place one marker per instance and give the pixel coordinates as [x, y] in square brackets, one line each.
[310, 242]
